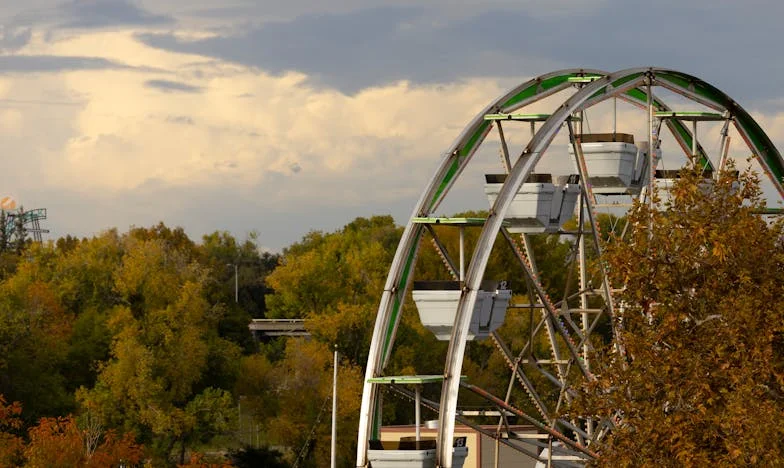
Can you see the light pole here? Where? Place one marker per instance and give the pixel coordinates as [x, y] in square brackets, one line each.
[239, 417]
[236, 282]
[333, 451]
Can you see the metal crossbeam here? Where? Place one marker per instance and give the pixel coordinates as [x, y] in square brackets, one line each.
[690, 116]
[521, 117]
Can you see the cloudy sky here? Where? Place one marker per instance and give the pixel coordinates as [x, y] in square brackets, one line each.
[282, 117]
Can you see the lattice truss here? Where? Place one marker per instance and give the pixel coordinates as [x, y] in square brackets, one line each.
[545, 125]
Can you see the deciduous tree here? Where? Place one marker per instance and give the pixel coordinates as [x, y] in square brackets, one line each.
[60, 442]
[11, 444]
[33, 328]
[165, 337]
[698, 378]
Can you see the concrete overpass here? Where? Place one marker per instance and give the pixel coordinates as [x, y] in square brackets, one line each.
[277, 327]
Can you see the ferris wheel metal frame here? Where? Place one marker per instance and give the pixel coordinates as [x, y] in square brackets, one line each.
[635, 86]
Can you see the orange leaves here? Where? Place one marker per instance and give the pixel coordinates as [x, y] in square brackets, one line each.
[9, 414]
[55, 442]
[116, 449]
[60, 442]
[721, 251]
[11, 445]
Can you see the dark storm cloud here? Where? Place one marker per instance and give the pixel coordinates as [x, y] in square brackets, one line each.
[11, 41]
[172, 86]
[348, 51]
[728, 44]
[104, 13]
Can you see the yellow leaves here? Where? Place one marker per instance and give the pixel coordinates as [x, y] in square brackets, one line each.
[300, 386]
[142, 320]
[700, 356]
[162, 339]
[84, 274]
[720, 250]
[257, 386]
[343, 319]
[153, 271]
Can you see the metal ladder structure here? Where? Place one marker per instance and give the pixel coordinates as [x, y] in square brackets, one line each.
[31, 220]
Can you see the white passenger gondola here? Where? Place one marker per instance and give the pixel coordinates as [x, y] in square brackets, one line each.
[436, 302]
[411, 454]
[615, 165]
[539, 206]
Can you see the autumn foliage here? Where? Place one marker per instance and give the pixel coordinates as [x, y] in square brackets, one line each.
[11, 445]
[60, 442]
[143, 332]
[698, 378]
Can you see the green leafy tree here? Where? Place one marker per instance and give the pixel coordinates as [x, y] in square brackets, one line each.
[165, 339]
[3, 231]
[303, 390]
[67, 243]
[698, 379]
[20, 231]
[33, 328]
[222, 254]
[335, 280]
[136, 325]
[82, 274]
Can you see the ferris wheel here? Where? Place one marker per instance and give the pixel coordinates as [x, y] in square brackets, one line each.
[605, 134]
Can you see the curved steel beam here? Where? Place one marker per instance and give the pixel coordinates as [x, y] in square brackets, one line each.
[520, 171]
[639, 98]
[452, 164]
[708, 95]
[594, 92]
[694, 88]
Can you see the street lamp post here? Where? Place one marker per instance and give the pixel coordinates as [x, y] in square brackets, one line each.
[333, 451]
[236, 282]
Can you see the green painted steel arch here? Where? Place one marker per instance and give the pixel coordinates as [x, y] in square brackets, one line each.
[457, 157]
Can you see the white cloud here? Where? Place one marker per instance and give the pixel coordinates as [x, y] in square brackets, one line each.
[246, 148]
[276, 139]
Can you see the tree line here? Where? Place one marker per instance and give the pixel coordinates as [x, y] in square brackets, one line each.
[132, 348]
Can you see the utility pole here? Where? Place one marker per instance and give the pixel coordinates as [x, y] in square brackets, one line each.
[333, 463]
